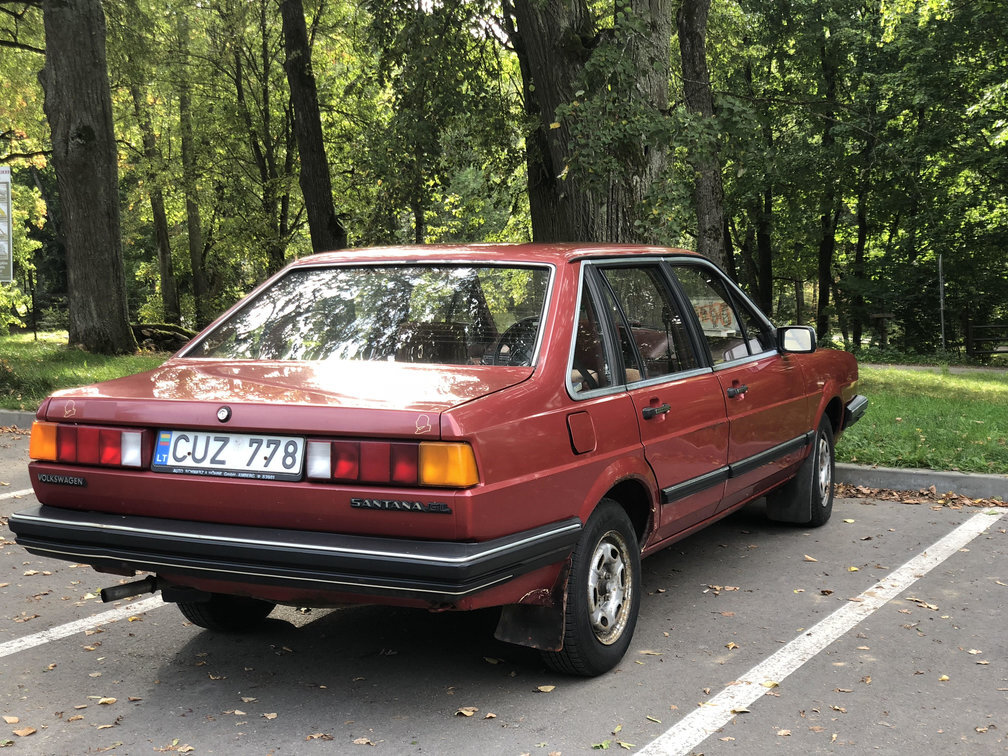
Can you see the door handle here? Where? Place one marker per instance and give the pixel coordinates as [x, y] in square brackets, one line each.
[649, 413]
[736, 391]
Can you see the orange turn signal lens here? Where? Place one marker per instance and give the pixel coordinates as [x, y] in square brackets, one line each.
[43, 441]
[449, 465]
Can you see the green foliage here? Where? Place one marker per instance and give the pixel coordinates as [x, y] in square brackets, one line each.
[32, 368]
[889, 119]
[954, 422]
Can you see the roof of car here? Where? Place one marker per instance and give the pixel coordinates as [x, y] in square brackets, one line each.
[533, 253]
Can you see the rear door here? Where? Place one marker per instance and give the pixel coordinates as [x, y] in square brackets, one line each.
[678, 401]
[767, 410]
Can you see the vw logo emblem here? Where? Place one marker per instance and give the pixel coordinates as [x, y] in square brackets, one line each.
[224, 414]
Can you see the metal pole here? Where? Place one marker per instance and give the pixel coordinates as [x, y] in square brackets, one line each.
[941, 298]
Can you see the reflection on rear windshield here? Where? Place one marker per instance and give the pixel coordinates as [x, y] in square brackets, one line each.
[442, 314]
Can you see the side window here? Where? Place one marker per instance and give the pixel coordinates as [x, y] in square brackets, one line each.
[589, 366]
[759, 338]
[729, 336]
[652, 334]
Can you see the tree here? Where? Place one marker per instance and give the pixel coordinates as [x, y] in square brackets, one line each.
[79, 109]
[708, 189]
[596, 89]
[327, 231]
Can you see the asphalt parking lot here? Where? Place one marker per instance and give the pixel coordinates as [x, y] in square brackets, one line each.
[881, 632]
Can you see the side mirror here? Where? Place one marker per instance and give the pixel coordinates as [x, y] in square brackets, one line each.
[799, 339]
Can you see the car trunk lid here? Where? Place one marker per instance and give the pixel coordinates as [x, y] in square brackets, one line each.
[378, 399]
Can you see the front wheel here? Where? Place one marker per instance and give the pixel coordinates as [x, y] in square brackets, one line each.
[807, 499]
[823, 466]
[603, 595]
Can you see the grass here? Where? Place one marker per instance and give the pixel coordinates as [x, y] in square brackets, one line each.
[931, 419]
[916, 418]
[30, 370]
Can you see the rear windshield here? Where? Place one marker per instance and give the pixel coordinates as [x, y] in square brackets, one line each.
[441, 314]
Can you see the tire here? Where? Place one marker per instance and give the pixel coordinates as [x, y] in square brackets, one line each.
[228, 614]
[822, 463]
[603, 595]
[807, 499]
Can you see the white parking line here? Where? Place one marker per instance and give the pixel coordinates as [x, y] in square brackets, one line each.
[16, 494]
[62, 631]
[712, 715]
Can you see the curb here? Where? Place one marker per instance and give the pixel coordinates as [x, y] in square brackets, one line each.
[17, 418]
[970, 485]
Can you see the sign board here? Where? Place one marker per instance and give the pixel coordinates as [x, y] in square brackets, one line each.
[6, 239]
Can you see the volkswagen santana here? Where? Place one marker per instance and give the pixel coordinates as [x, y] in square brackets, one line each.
[449, 428]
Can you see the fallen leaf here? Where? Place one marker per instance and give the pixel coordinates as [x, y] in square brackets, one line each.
[546, 688]
[106, 701]
[363, 741]
[783, 733]
[489, 715]
[943, 678]
[810, 559]
[625, 746]
[466, 711]
[652, 719]
[11, 720]
[853, 569]
[651, 653]
[319, 736]
[271, 715]
[849, 522]
[740, 710]
[248, 699]
[770, 684]
[731, 646]
[603, 746]
[24, 732]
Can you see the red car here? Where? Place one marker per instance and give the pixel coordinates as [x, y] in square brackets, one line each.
[449, 428]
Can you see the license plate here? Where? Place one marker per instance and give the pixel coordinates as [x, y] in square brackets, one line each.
[229, 455]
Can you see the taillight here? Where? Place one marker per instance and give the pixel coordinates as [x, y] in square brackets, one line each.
[435, 464]
[86, 445]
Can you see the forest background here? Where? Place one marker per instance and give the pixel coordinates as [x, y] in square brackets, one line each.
[827, 154]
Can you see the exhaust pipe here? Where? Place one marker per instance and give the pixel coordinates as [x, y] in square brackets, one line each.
[118, 592]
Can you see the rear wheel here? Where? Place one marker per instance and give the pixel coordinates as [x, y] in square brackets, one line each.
[603, 595]
[229, 614]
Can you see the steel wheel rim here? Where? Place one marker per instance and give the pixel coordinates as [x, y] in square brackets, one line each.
[610, 588]
[825, 475]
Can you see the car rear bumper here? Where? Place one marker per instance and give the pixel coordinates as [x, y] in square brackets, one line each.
[434, 571]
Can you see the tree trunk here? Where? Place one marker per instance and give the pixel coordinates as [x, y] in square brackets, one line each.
[708, 189]
[553, 40]
[78, 105]
[194, 224]
[327, 232]
[829, 209]
[166, 271]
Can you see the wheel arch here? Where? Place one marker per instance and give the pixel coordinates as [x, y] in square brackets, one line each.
[834, 412]
[636, 500]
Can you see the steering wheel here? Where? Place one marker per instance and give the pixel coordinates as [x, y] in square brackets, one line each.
[516, 344]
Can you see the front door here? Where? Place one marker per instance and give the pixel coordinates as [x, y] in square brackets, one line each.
[766, 409]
